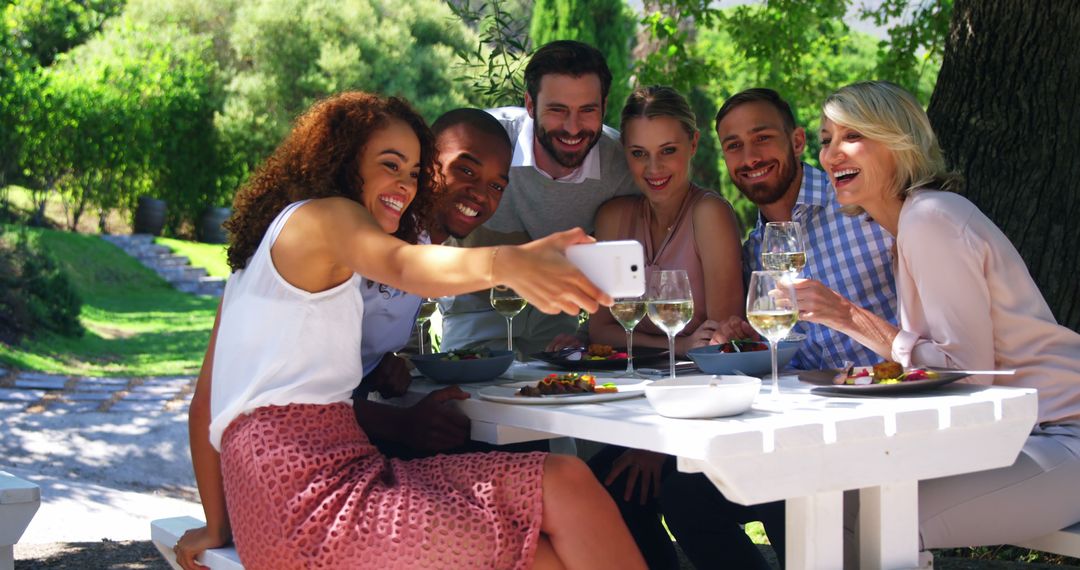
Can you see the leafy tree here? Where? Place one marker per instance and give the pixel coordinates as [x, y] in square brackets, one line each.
[19, 86]
[292, 52]
[130, 111]
[492, 68]
[44, 29]
[606, 24]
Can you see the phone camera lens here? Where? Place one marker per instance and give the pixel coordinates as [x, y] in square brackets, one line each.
[633, 267]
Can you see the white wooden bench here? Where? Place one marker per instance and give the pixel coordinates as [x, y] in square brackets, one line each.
[19, 501]
[1065, 542]
[165, 532]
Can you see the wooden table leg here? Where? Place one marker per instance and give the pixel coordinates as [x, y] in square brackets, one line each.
[815, 531]
[889, 526]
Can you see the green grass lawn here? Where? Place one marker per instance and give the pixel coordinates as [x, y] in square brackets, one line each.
[209, 256]
[136, 323]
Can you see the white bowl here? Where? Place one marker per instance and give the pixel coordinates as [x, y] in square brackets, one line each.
[703, 395]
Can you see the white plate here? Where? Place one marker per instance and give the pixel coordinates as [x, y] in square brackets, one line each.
[505, 393]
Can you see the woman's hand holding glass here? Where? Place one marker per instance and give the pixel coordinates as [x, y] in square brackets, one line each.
[783, 247]
[670, 305]
[772, 310]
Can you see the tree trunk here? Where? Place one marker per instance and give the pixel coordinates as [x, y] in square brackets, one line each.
[1007, 110]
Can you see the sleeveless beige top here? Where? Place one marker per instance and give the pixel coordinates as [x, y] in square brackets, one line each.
[678, 250]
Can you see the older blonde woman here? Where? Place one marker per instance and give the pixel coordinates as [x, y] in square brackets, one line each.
[966, 300]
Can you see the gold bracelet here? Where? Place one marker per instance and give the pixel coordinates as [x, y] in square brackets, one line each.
[491, 273]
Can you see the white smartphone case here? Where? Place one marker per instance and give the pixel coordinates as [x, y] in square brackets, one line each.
[616, 267]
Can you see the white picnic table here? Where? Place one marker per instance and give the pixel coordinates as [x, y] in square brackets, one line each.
[802, 447]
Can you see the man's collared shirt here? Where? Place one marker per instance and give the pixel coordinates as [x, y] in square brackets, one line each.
[850, 254]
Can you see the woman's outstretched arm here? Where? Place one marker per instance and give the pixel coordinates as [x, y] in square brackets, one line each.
[339, 234]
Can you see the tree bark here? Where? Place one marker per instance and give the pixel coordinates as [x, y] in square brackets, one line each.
[1007, 110]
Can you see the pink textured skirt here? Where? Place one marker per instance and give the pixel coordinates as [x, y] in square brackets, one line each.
[306, 489]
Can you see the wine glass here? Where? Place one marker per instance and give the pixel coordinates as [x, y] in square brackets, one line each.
[427, 308]
[629, 311]
[771, 310]
[670, 304]
[783, 248]
[507, 303]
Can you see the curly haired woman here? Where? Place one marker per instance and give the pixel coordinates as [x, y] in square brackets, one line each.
[283, 468]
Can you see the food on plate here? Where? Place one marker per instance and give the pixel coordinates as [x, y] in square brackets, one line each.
[467, 354]
[888, 369]
[743, 345]
[571, 383]
[887, 372]
[595, 352]
[601, 350]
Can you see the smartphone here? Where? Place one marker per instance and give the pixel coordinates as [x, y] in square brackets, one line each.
[616, 267]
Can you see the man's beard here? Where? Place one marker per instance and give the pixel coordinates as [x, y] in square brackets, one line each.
[764, 193]
[567, 160]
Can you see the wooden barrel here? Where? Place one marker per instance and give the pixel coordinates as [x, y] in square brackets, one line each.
[210, 225]
[149, 216]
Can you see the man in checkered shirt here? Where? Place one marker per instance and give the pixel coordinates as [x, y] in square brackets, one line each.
[852, 255]
[761, 146]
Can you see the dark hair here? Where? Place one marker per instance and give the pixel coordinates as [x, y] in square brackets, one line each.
[659, 101]
[567, 57]
[478, 119]
[320, 158]
[758, 94]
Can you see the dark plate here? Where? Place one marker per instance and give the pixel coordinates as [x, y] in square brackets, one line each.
[642, 356]
[823, 381]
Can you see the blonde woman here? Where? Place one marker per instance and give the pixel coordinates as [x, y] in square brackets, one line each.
[681, 226]
[966, 300]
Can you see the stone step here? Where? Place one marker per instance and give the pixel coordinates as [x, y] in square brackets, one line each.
[171, 267]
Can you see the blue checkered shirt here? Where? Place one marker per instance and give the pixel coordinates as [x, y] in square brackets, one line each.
[850, 254]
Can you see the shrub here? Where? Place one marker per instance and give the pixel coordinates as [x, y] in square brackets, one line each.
[36, 296]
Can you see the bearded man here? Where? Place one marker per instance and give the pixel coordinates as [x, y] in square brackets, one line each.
[565, 164]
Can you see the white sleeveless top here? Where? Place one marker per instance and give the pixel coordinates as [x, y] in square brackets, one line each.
[278, 344]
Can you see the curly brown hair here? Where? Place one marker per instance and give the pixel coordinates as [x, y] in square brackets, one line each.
[319, 159]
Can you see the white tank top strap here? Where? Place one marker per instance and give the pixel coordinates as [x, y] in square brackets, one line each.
[279, 222]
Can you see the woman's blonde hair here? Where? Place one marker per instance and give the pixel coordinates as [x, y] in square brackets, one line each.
[887, 113]
[659, 101]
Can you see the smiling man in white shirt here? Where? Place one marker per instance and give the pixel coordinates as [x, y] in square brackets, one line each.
[566, 163]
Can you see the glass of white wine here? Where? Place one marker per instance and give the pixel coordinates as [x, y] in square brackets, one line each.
[427, 308]
[628, 312]
[783, 247]
[670, 304]
[508, 304]
[772, 310]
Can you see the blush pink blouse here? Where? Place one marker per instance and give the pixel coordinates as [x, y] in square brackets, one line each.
[967, 300]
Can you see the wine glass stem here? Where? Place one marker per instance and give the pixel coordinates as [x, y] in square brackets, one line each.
[629, 351]
[420, 335]
[775, 378]
[510, 334]
[671, 352]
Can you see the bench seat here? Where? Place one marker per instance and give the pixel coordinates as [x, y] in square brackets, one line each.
[165, 532]
[1065, 542]
[19, 501]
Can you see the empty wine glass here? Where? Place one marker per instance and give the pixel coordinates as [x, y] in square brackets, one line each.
[772, 311]
[507, 303]
[628, 312]
[427, 308]
[670, 305]
[783, 248]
